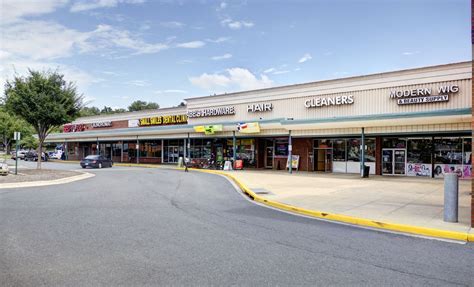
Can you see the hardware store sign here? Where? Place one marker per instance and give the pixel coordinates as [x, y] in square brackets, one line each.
[424, 95]
[163, 120]
[212, 112]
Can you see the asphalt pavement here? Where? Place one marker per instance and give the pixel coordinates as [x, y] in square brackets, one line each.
[146, 227]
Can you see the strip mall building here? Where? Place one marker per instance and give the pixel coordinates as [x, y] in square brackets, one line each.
[413, 122]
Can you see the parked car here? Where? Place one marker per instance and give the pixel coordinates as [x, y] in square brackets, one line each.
[33, 156]
[96, 161]
[55, 154]
[21, 154]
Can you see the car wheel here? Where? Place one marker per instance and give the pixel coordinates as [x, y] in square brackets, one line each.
[83, 167]
[100, 165]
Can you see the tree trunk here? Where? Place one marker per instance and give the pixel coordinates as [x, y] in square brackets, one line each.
[40, 152]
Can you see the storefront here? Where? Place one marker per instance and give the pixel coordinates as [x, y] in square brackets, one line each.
[405, 123]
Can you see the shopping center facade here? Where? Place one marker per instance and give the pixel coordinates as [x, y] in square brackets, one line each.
[414, 122]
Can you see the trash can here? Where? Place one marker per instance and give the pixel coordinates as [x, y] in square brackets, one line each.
[366, 171]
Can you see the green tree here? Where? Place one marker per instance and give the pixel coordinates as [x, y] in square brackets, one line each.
[44, 100]
[142, 105]
[29, 142]
[10, 124]
[89, 111]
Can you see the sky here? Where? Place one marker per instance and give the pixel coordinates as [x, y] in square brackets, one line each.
[119, 51]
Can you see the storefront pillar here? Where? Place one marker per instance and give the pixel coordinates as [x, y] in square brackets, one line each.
[66, 151]
[138, 151]
[189, 149]
[290, 149]
[121, 153]
[162, 151]
[362, 153]
[234, 147]
[98, 147]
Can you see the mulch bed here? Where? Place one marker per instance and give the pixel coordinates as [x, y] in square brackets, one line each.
[25, 175]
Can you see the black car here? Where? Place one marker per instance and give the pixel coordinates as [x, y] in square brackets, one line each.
[33, 156]
[96, 161]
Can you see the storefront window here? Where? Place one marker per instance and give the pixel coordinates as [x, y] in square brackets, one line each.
[339, 150]
[419, 150]
[448, 150]
[117, 149]
[467, 150]
[325, 143]
[353, 150]
[245, 151]
[151, 149]
[394, 143]
[281, 147]
[369, 150]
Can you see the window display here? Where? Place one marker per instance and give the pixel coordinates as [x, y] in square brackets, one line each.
[281, 147]
[339, 150]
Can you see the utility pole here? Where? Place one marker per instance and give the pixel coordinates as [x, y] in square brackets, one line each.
[17, 137]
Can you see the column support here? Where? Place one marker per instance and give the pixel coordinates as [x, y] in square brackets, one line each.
[362, 153]
[121, 153]
[162, 151]
[234, 147]
[138, 151]
[290, 150]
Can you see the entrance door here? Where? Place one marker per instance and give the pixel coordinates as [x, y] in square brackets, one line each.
[393, 161]
[269, 157]
[173, 154]
[323, 159]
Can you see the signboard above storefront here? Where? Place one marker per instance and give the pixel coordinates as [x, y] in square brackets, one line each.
[208, 130]
[73, 128]
[248, 128]
[328, 101]
[424, 95]
[261, 107]
[163, 120]
[102, 124]
[212, 112]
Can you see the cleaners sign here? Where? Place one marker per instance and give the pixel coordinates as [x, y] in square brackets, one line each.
[423, 96]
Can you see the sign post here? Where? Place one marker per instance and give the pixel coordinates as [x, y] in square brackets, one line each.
[16, 137]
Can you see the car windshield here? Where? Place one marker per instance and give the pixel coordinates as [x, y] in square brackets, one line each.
[92, 157]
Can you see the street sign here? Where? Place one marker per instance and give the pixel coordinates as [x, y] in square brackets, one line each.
[17, 136]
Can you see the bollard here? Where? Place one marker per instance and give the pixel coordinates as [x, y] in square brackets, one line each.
[451, 190]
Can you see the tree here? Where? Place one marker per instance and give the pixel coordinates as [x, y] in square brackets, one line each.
[44, 100]
[89, 111]
[10, 124]
[142, 105]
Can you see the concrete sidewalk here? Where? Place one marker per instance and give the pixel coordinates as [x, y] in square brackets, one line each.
[402, 200]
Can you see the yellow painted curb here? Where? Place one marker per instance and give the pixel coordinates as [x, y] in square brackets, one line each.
[424, 231]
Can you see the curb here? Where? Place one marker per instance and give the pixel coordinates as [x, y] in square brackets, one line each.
[38, 183]
[416, 230]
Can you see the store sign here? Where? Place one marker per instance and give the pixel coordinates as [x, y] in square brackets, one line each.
[102, 124]
[73, 128]
[263, 107]
[211, 112]
[423, 96]
[163, 120]
[329, 101]
[208, 130]
[133, 123]
[248, 128]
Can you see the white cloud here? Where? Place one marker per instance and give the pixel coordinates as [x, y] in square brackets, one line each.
[233, 79]
[96, 4]
[306, 57]
[13, 10]
[171, 92]
[138, 83]
[280, 72]
[191, 45]
[219, 40]
[269, 70]
[223, 57]
[223, 5]
[235, 25]
[172, 24]
[410, 53]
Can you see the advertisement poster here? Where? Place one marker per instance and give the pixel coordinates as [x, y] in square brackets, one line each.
[295, 160]
[418, 169]
[464, 171]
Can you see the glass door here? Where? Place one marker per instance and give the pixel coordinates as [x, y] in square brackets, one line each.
[173, 154]
[269, 157]
[387, 161]
[393, 161]
[323, 159]
[399, 161]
